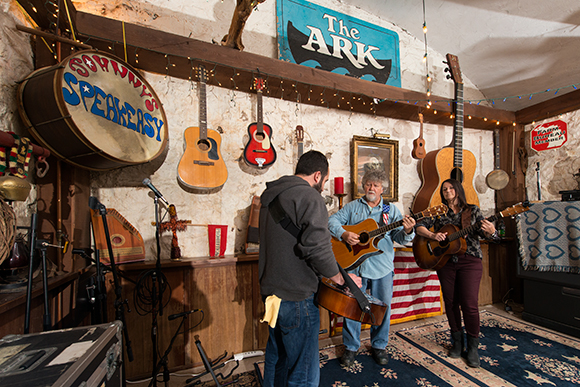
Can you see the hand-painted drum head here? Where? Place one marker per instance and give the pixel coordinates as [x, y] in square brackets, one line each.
[94, 111]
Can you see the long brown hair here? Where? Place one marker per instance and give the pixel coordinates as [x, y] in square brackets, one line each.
[459, 192]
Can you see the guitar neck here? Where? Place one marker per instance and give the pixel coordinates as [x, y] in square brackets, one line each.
[260, 123]
[496, 139]
[202, 108]
[467, 230]
[458, 126]
[389, 227]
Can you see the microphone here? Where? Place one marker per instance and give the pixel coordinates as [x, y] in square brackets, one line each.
[147, 182]
[94, 204]
[178, 315]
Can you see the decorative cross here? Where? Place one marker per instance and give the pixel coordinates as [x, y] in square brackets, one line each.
[174, 225]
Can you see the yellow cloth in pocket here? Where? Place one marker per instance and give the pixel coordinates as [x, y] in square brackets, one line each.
[272, 308]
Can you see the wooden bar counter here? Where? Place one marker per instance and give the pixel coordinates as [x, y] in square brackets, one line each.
[225, 290]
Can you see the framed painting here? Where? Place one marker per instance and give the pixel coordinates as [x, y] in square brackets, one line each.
[368, 153]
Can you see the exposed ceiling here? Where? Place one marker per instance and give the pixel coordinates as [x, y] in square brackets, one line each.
[510, 49]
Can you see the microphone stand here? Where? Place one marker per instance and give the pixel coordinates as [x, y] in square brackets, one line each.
[163, 361]
[538, 181]
[156, 297]
[119, 303]
[30, 272]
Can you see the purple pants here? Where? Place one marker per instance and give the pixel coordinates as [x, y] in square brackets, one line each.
[460, 287]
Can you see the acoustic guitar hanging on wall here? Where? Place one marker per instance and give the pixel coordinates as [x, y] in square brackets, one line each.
[418, 143]
[259, 151]
[450, 162]
[202, 166]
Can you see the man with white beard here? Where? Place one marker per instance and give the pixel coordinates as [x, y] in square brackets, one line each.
[376, 271]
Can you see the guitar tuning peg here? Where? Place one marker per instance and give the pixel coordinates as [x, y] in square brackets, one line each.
[448, 76]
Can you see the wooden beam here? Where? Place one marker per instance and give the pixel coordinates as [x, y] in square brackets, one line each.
[48, 16]
[178, 56]
[562, 104]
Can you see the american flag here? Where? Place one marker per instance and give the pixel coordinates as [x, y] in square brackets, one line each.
[416, 292]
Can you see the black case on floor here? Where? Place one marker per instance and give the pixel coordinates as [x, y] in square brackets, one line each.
[85, 356]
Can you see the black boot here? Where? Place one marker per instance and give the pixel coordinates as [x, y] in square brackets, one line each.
[472, 354]
[457, 341]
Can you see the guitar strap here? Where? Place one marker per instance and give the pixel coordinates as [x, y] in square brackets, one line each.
[385, 214]
[280, 217]
[466, 217]
[465, 222]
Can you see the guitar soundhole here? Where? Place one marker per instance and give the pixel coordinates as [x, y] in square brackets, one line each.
[457, 174]
[203, 145]
[260, 136]
[363, 238]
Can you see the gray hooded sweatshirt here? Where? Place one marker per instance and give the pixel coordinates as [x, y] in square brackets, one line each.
[290, 268]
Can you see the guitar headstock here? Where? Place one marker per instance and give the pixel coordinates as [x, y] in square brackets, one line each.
[453, 68]
[202, 74]
[515, 209]
[299, 133]
[432, 212]
[259, 84]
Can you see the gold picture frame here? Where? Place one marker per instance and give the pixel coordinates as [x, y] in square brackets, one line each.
[373, 153]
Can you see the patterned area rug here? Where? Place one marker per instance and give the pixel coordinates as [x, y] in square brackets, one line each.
[512, 352]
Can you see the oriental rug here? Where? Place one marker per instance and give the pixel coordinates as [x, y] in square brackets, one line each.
[512, 352]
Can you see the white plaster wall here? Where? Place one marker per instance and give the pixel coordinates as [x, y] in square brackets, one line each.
[327, 130]
[557, 166]
[15, 65]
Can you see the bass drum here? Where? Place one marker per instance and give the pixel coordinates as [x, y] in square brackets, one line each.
[94, 111]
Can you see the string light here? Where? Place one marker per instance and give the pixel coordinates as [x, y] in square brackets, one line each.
[373, 103]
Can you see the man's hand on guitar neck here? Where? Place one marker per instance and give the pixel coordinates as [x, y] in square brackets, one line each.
[340, 280]
[408, 224]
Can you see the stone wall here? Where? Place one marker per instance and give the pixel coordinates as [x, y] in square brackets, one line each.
[327, 130]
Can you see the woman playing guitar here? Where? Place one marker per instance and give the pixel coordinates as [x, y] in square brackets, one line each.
[460, 275]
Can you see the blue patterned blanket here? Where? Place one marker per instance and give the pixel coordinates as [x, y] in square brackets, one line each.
[549, 237]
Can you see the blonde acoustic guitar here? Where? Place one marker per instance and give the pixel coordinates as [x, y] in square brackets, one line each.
[202, 166]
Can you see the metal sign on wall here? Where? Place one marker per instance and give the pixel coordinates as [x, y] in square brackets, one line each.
[318, 37]
[550, 135]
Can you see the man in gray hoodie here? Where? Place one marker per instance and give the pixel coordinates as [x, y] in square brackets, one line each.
[289, 270]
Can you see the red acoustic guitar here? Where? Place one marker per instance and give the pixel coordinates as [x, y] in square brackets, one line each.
[450, 162]
[259, 151]
[433, 255]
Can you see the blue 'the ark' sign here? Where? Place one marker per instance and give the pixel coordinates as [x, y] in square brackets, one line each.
[318, 37]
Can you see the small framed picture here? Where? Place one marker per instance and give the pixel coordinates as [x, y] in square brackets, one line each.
[367, 153]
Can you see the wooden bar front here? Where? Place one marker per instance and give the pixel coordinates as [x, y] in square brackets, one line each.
[225, 290]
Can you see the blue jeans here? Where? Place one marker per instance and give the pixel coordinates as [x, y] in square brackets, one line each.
[292, 351]
[382, 289]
